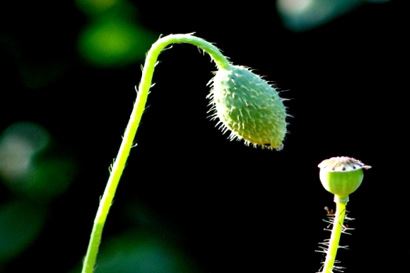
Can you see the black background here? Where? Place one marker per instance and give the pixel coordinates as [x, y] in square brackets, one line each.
[231, 207]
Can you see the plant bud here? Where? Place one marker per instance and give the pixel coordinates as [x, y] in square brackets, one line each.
[249, 107]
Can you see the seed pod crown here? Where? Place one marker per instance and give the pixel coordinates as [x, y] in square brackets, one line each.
[342, 175]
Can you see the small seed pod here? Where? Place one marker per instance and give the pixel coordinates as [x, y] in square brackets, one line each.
[249, 107]
[342, 176]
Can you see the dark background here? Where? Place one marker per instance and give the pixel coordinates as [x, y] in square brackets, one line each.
[228, 207]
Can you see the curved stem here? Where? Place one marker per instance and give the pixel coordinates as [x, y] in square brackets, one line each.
[133, 124]
[335, 237]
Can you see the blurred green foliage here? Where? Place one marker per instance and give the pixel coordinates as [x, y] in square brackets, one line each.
[20, 223]
[48, 179]
[34, 177]
[141, 252]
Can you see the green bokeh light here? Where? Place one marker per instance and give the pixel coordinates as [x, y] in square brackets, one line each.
[26, 166]
[19, 143]
[113, 42]
[96, 7]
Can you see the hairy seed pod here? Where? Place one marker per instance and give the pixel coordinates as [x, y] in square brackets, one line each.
[249, 107]
[341, 175]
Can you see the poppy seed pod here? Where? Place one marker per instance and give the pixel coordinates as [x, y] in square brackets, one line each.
[249, 107]
[342, 176]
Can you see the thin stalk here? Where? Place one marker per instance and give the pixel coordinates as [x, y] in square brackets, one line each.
[335, 237]
[131, 130]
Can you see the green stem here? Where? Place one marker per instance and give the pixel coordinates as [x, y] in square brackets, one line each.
[133, 124]
[335, 237]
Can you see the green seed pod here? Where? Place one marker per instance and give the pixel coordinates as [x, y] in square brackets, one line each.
[341, 176]
[249, 107]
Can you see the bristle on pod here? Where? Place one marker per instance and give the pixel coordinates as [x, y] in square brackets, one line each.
[249, 107]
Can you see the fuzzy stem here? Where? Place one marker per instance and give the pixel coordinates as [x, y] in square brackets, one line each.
[133, 124]
[335, 237]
